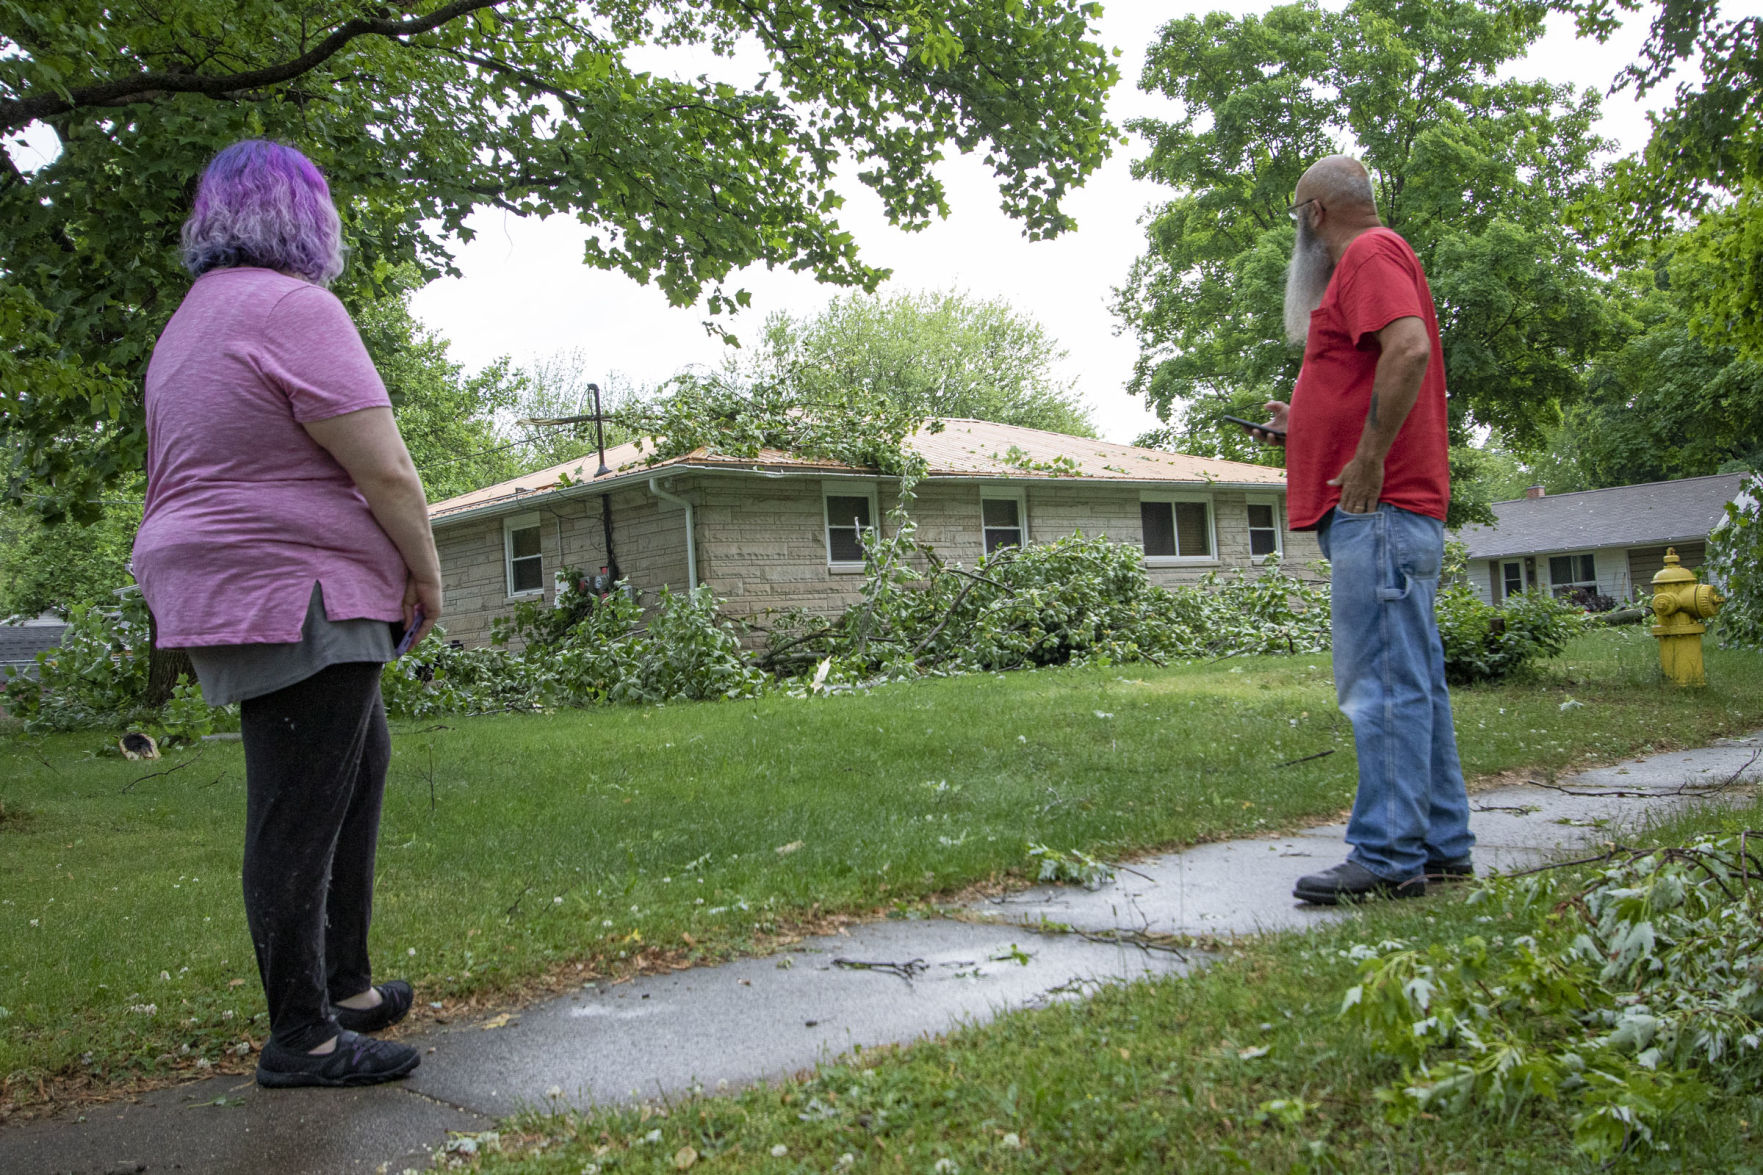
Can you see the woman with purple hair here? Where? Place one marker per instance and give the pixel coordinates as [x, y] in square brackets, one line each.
[285, 539]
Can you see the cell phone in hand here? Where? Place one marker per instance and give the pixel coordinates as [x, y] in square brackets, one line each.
[409, 637]
[1266, 428]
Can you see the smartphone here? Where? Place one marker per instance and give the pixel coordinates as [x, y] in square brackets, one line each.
[409, 637]
[1266, 428]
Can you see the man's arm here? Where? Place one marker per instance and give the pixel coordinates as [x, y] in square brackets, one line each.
[1406, 349]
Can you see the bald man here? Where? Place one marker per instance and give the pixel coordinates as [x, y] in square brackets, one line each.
[1366, 465]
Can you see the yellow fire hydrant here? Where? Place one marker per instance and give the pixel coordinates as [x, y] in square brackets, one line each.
[1681, 604]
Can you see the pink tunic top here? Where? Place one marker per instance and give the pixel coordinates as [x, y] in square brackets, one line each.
[245, 511]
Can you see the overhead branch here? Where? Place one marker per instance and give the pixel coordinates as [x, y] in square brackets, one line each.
[142, 87]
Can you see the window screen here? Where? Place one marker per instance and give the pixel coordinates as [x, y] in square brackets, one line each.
[525, 568]
[1569, 573]
[1158, 521]
[1263, 529]
[1002, 523]
[1176, 528]
[1193, 536]
[846, 520]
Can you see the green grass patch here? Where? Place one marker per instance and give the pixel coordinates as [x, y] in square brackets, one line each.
[515, 845]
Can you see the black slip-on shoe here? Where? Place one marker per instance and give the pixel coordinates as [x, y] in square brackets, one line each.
[357, 1060]
[395, 1000]
[1458, 869]
[1350, 882]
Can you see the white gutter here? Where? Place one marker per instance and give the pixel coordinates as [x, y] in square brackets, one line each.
[691, 536]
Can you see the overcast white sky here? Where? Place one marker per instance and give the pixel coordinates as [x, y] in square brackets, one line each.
[524, 292]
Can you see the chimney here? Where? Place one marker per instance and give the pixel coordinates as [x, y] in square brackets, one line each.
[1533, 491]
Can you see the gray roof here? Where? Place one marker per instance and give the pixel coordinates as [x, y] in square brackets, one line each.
[1622, 516]
[20, 643]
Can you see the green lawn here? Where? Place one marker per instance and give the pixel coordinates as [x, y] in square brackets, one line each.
[517, 846]
[1244, 1066]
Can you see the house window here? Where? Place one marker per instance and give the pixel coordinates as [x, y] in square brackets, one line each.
[1263, 527]
[1570, 573]
[847, 517]
[1177, 528]
[1001, 521]
[520, 538]
[1512, 578]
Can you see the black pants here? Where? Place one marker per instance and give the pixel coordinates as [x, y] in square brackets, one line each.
[315, 770]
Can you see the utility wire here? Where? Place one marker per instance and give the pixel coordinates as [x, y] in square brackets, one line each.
[485, 452]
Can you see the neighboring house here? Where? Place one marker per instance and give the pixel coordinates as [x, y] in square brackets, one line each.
[21, 642]
[1599, 542]
[781, 532]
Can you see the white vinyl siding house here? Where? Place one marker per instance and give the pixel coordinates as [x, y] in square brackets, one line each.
[1607, 542]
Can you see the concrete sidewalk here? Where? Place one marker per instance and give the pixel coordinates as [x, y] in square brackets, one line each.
[759, 1018]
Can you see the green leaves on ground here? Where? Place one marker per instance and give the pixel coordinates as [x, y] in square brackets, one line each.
[1628, 999]
[687, 651]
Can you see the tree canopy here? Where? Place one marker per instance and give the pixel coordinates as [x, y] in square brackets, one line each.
[421, 112]
[1475, 170]
[1704, 161]
[932, 353]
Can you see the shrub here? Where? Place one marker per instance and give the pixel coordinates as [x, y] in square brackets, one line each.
[97, 677]
[1735, 565]
[1485, 643]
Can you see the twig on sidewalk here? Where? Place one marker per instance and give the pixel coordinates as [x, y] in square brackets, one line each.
[1145, 940]
[904, 970]
[1687, 788]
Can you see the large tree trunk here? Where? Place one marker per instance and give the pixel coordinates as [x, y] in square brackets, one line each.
[163, 666]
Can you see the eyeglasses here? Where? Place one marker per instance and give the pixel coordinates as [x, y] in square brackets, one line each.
[1293, 210]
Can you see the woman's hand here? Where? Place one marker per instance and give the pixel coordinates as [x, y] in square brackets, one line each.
[424, 595]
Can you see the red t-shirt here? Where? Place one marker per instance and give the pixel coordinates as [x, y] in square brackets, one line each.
[1378, 280]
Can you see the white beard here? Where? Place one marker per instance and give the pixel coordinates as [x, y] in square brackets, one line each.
[1306, 282]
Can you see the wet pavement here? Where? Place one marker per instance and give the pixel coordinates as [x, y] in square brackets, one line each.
[887, 982]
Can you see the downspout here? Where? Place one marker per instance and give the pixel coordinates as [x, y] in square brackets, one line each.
[691, 529]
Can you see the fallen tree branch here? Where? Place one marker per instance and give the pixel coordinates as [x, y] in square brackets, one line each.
[948, 615]
[1305, 759]
[129, 786]
[1687, 788]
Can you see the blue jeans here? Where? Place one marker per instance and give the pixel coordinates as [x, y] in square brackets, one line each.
[1389, 670]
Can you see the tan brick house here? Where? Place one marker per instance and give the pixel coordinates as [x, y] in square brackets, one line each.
[781, 532]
